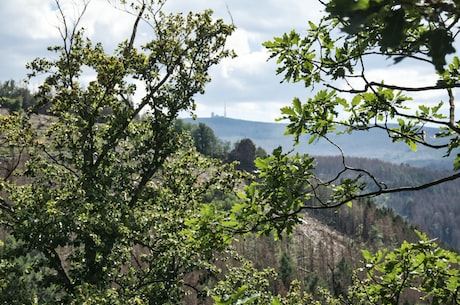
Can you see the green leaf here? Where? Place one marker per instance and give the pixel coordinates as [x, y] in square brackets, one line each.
[275, 302]
[252, 189]
[242, 195]
[412, 145]
[277, 151]
[367, 255]
[361, 5]
[436, 108]
[349, 204]
[456, 62]
[297, 105]
[342, 102]
[424, 109]
[312, 138]
[393, 33]
[261, 163]
[238, 207]
[312, 26]
[356, 100]
[457, 162]
[288, 111]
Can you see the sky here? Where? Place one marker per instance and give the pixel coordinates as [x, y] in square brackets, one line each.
[246, 87]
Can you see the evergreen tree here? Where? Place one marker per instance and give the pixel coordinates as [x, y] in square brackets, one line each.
[245, 153]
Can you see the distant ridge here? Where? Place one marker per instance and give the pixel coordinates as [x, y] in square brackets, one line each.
[232, 130]
[366, 144]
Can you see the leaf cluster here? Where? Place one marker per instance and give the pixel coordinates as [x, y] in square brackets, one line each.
[402, 27]
[423, 267]
[274, 200]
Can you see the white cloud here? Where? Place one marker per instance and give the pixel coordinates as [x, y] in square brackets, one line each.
[107, 24]
[30, 19]
[266, 110]
[247, 85]
[241, 83]
[410, 76]
[407, 76]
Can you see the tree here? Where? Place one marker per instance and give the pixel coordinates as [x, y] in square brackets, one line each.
[260, 152]
[245, 153]
[276, 197]
[23, 275]
[205, 139]
[12, 104]
[113, 205]
[286, 269]
[15, 98]
[181, 126]
[335, 58]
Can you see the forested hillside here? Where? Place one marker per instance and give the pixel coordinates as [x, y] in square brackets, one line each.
[325, 247]
[434, 210]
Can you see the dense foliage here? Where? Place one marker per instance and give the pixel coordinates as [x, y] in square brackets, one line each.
[420, 268]
[111, 205]
[206, 142]
[15, 98]
[440, 219]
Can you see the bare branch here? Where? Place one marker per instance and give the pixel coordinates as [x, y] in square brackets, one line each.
[12, 164]
[452, 110]
[229, 13]
[66, 33]
[389, 191]
[136, 23]
[393, 87]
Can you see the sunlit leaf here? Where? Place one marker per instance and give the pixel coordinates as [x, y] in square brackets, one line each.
[412, 145]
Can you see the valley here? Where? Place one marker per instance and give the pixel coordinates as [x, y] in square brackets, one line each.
[434, 210]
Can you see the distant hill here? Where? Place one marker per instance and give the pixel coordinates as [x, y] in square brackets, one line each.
[366, 144]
